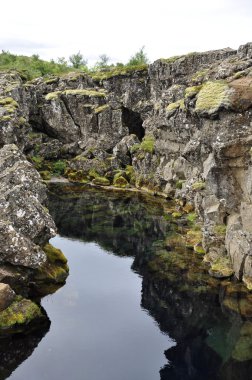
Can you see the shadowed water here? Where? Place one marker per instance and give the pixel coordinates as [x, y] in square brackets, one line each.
[135, 307]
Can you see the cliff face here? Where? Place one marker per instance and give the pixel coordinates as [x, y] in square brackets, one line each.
[181, 127]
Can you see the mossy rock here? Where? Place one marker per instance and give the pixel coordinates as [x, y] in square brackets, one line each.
[191, 92]
[197, 186]
[173, 107]
[221, 268]
[102, 181]
[55, 270]
[120, 181]
[54, 255]
[213, 97]
[20, 312]
[45, 174]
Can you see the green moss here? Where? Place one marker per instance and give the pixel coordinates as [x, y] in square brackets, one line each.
[120, 182]
[199, 249]
[8, 102]
[148, 144]
[176, 214]
[191, 217]
[91, 93]
[102, 181]
[20, 312]
[101, 109]
[172, 107]
[5, 118]
[21, 121]
[118, 71]
[53, 95]
[59, 167]
[53, 254]
[212, 97]
[45, 174]
[198, 185]
[220, 229]
[190, 92]
[200, 75]
[136, 147]
[221, 267]
[37, 160]
[179, 184]
[171, 59]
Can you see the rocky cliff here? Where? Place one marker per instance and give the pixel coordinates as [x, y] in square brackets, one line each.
[181, 127]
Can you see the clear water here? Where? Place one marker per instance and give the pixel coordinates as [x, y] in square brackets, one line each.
[137, 305]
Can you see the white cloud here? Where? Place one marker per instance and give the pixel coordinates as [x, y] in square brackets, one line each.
[119, 29]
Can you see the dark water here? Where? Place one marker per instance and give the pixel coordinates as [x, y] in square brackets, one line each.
[137, 304]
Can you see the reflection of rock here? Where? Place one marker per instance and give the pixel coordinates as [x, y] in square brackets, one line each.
[6, 296]
[15, 350]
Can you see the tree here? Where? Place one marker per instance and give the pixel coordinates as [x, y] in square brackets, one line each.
[140, 58]
[62, 61]
[77, 60]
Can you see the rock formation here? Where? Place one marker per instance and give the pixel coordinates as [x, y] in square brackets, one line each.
[181, 127]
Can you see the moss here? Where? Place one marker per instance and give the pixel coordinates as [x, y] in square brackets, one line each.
[148, 144]
[199, 249]
[91, 93]
[37, 160]
[53, 95]
[118, 71]
[59, 167]
[172, 107]
[101, 181]
[193, 238]
[5, 118]
[8, 102]
[190, 92]
[248, 282]
[136, 147]
[171, 59]
[198, 185]
[120, 182]
[220, 229]
[221, 268]
[200, 75]
[20, 312]
[53, 254]
[45, 174]
[191, 217]
[176, 214]
[243, 347]
[130, 174]
[212, 97]
[179, 184]
[101, 109]
[21, 121]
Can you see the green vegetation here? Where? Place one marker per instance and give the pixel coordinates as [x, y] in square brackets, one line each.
[147, 145]
[31, 67]
[212, 97]
[198, 185]
[172, 107]
[54, 255]
[101, 108]
[139, 58]
[90, 93]
[120, 181]
[20, 312]
[190, 92]
[102, 181]
[77, 60]
[220, 229]
[59, 167]
[118, 71]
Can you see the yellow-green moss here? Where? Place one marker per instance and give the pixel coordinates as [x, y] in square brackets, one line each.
[248, 282]
[91, 93]
[45, 174]
[102, 181]
[53, 95]
[190, 92]
[148, 144]
[177, 214]
[199, 249]
[54, 255]
[5, 118]
[120, 181]
[20, 312]
[198, 185]
[8, 102]
[118, 71]
[220, 229]
[221, 267]
[101, 109]
[176, 105]
[212, 97]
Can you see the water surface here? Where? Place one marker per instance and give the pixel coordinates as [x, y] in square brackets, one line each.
[137, 304]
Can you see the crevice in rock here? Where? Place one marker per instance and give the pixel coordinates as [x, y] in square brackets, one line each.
[70, 114]
[133, 121]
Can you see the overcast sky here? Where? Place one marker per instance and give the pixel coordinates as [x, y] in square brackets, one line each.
[53, 28]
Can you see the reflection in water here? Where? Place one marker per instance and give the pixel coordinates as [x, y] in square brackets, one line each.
[212, 342]
[210, 320]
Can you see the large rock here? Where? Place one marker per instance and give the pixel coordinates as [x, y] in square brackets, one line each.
[25, 223]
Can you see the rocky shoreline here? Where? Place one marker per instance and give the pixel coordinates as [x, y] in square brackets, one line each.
[180, 128]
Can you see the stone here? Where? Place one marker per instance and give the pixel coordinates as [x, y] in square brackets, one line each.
[7, 295]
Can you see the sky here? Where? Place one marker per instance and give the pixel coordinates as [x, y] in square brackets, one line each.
[54, 28]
